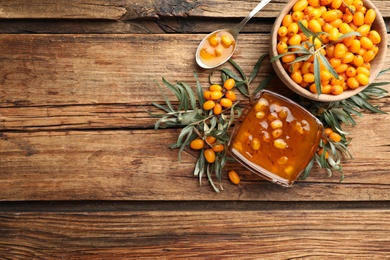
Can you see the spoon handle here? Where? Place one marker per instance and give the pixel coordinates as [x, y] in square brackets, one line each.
[239, 26]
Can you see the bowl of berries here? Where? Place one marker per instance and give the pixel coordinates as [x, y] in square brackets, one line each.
[328, 50]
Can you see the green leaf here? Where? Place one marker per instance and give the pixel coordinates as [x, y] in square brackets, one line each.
[242, 87]
[190, 94]
[327, 65]
[346, 35]
[383, 71]
[305, 30]
[317, 75]
[172, 88]
[208, 170]
[256, 68]
[184, 132]
[263, 84]
[238, 69]
[166, 98]
[232, 75]
[199, 91]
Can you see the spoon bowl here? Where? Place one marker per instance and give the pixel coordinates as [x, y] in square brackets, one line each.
[219, 59]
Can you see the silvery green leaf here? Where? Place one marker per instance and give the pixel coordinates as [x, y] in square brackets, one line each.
[263, 84]
[191, 95]
[208, 170]
[256, 68]
[166, 98]
[317, 74]
[241, 86]
[232, 74]
[327, 65]
[238, 69]
[199, 90]
[346, 35]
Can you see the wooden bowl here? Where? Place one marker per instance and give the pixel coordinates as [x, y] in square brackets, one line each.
[376, 64]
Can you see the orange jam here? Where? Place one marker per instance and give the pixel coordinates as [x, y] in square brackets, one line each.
[216, 48]
[276, 138]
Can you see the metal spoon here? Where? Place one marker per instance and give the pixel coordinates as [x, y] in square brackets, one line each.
[233, 31]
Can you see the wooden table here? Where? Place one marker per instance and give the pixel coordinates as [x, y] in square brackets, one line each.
[83, 174]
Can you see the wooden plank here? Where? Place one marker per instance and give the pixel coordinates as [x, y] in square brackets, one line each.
[182, 234]
[130, 9]
[108, 69]
[116, 165]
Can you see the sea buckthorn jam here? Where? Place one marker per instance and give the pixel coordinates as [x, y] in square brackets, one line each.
[275, 138]
[217, 48]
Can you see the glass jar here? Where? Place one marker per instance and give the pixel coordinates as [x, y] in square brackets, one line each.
[275, 138]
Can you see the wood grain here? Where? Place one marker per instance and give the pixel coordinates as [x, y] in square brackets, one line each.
[336, 234]
[152, 9]
[117, 165]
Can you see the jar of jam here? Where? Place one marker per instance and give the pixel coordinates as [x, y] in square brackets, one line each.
[275, 138]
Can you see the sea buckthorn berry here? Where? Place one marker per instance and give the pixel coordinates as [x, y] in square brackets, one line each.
[207, 95]
[255, 144]
[287, 20]
[358, 60]
[229, 84]
[336, 4]
[336, 23]
[355, 46]
[337, 90]
[329, 16]
[366, 43]
[296, 76]
[363, 70]
[300, 5]
[315, 26]
[197, 144]
[280, 144]
[209, 155]
[333, 34]
[347, 18]
[282, 160]
[218, 148]
[350, 9]
[225, 102]
[351, 71]
[341, 68]
[348, 57]
[231, 95]
[217, 109]
[339, 50]
[292, 29]
[226, 41]
[283, 113]
[344, 28]
[261, 104]
[238, 146]
[299, 128]
[276, 124]
[289, 170]
[315, 14]
[375, 37]
[313, 88]
[210, 139]
[295, 40]
[288, 58]
[214, 40]
[314, 3]
[325, 2]
[215, 95]
[358, 18]
[335, 137]
[233, 176]
[328, 131]
[330, 52]
[321, 151]
[208, 105]
[297, 16]
[326, 27]
[308, 77]
[282, 31]
[369, 56]
[362, 79]
[215, 87]
[277, 133]
[260, 115]
[364, 29]
[352, 83]
[335, 62]
[370, 16]
[326, 89]
[325, 75]
[272, 116]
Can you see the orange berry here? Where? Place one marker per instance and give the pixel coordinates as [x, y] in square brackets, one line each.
[225, 102]
[321, 151]
[229, 84]
[337, 90]
[209, 155]
[208, 105]
[215, 87]
[335, 137]
[215, 95]
[217, 109]
[207, 95]
[233, 176]
[197, 144]
[210, 139]
[370, 16]
[231, 95]
[218, 148]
